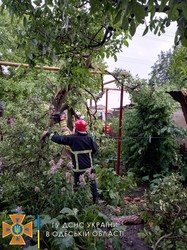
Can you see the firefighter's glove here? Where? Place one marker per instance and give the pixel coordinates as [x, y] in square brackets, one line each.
[45, 134]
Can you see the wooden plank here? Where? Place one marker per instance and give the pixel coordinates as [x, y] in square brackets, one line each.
[14, 64]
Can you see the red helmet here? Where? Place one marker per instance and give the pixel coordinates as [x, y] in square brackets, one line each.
[80, 125]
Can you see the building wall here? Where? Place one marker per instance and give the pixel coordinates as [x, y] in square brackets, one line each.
[178, 119]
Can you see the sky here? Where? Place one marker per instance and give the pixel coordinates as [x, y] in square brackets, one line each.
[138, 58]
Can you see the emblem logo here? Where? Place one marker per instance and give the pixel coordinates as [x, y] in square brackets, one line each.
[17, 229]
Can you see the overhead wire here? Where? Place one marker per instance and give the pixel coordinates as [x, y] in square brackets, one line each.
[146, 37]
[141, 137]
[162, 34]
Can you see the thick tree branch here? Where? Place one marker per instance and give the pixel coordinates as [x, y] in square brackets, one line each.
[173, 229]
[107, 36]
[180, 97]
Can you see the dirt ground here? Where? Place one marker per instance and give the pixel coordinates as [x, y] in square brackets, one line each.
[131, 241]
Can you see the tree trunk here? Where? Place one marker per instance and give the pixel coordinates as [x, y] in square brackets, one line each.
[60, 105]
[180, 97]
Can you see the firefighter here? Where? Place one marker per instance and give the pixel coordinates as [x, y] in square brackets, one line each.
[63, 124]
[82, 149]
[60, 124]
[59, 118]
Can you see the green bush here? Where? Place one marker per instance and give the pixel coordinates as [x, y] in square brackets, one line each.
[81, 227]
[107, 152]
[149, 139]
[165, 215]
[113, 187]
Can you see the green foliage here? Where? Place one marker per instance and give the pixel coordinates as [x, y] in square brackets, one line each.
[26, 157]
[8, 40]
[33, 177]
[107, 153]
[21, 83]
[177, 68]
[47, 32]
[51, 193]
[170, 69]
[57, 29]
[148, 145]
[160, 70]
[73, 228]
[114, 126]
[165, 214]
[51, 188]
[112, 187]
[67, 34]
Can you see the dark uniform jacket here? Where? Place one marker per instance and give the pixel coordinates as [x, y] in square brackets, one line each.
[82, 148]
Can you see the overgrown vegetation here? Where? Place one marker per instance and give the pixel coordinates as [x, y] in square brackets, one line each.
[34, 178]
[165, 214]
[149, 144]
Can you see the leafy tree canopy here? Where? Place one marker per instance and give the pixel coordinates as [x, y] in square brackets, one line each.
[63, 30]
[170, 69]
[20, 85]
[75, 30]
[160, 70]
[177, 68]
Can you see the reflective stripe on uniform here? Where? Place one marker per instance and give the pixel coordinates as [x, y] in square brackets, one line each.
[76, 153]
[51, 135]
[64, 128]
